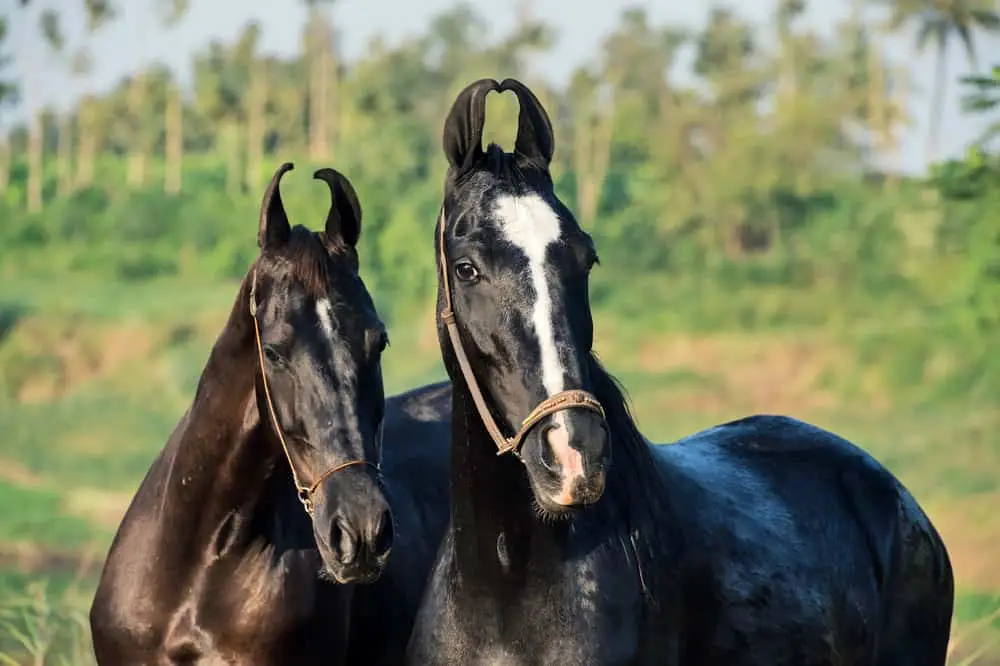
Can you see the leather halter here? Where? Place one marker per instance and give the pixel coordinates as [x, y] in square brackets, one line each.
[571, 399]
[305, 493]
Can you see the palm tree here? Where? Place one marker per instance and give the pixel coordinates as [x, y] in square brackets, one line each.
[938, 22]
[323, 77]
[172, 13]
[8, 94]
[983, 96]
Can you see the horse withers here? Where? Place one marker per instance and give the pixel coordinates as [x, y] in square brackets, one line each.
[245, 540]
[763, 541]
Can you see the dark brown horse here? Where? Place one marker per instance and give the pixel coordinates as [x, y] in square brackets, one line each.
[762, 542]
[245, 540]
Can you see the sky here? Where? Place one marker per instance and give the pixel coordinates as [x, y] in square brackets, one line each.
[134, 40]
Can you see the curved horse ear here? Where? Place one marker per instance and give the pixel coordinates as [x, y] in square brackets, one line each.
[274, 228]
[344, 219]
[463, 130]
[535, 142]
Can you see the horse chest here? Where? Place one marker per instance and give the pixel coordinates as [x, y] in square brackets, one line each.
[256, 612]
[256, 598]
[579, 624]
[585, 615]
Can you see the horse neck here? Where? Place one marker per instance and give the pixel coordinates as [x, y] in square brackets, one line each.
[491, 498]
[223, 455]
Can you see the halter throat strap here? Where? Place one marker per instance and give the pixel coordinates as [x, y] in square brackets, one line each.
[571, 399]
[305, 493]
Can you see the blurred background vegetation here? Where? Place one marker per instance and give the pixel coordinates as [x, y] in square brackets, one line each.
[762, 249]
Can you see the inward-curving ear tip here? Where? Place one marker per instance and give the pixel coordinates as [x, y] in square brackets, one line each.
[328, 175]
[274, 228]
[535, 143]
[344, 219]
[463, 128]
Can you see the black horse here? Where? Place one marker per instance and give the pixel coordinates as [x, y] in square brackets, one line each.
[243, 543]
[763, 541]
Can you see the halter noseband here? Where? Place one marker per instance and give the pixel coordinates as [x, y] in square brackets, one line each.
[571, 399]
[305, 493]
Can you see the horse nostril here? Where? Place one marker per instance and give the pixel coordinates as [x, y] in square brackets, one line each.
[342, 542]
[547, 453]
[383, 534]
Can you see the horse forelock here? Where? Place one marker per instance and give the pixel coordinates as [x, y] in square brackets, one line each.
[309, 259]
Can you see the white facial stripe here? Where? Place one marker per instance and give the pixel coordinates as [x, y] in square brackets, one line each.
[531, 225]
[324, 310]
[341, 365]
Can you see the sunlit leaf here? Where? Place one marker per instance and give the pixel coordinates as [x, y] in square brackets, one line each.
[82, 62]
[172, 11]
[51, 29]
[99, 12]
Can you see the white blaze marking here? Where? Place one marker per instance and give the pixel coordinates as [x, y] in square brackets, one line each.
[324, 310]
[342, 367]
[532, 226]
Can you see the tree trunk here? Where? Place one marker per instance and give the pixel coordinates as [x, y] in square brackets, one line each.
[904, 94]
[319, 72]
[174, 148]
[877, 120]
[136, 167]
[601, 156]
[231, 148]
[137, 154]
[524, 11]
[4, 164]
[36, 133]
[64, 153]
[255, 127]
[594, 146]
[937, 105]
[333, 104]
[583, 148]
[86, 140]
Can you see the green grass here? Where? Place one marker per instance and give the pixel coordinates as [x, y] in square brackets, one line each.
[83, 294]
[36, 516]
[43, 620]
[104, 440]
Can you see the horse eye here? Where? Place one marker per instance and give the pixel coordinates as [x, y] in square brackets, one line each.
[466, 272]
[376, 340]
[272, 355]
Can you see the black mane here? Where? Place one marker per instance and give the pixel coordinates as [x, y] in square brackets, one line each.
[634, 499]
[306, 255]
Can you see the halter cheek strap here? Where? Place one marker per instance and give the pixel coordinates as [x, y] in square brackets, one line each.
[305, 493]
[571, 399]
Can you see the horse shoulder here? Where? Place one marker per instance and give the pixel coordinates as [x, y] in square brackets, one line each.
[124, 612]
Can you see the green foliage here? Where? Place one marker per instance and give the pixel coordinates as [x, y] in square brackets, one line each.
[983, 96]
[736, 202]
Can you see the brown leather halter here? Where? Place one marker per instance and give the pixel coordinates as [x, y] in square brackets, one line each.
[305, 493]
[571, 399]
